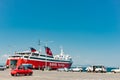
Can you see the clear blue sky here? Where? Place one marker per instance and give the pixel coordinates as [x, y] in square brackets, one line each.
[88, 30]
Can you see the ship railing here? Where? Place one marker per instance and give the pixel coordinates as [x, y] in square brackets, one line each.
[15, 56]
[25, 56]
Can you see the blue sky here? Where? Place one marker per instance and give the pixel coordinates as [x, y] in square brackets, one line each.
[88, 30]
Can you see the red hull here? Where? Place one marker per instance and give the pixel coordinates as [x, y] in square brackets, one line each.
[40, 63]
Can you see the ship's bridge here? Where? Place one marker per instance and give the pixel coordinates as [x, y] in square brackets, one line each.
[62, 56]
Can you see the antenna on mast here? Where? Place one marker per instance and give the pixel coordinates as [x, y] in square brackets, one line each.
[46, 43]
[39, 45]
[39, 42]
[62, 52]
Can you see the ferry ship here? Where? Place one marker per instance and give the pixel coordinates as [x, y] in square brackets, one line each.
[39, 60]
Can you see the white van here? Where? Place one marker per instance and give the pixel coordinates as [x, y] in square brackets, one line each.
[96, 68]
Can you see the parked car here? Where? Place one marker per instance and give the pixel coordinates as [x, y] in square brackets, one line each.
[116, 70]
[21, 70]
[77, 69]
[63, 69]
[29, 66]
[96, 68]
[2, 67]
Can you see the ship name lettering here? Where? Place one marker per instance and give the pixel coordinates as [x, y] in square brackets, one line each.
[53, 64]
